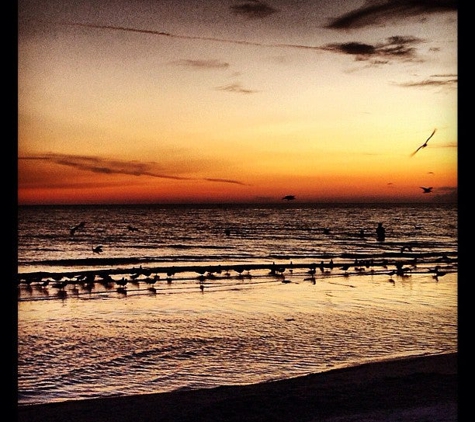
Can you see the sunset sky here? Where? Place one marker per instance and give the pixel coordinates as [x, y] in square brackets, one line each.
[166, 101]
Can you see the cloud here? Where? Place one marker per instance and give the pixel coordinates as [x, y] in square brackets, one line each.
[378, 12]
[202, 64]
[449, 81]
[396, 47]
[178, 36]
[236, 182]
[253, 9]
[105, 166]
[236, 87]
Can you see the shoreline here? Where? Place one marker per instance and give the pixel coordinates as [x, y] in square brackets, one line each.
[410, 389]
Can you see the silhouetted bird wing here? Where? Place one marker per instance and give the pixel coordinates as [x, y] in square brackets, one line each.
[289, 197]
[425, 143]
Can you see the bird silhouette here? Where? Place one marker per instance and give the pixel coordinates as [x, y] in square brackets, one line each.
[77, 227]
[289, 197]
[122, 283]
[424, 144]
[426, 190]
[97, 249]
[438, 273]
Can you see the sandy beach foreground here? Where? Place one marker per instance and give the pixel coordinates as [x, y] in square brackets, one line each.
[414, 389]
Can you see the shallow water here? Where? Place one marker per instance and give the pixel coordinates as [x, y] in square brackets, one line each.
[243, 328]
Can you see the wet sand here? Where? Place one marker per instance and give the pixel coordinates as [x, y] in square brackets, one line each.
[413, 389]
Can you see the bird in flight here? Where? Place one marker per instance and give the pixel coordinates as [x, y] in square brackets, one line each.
[289, 197]
[425, 143]
[426, 190]
[77, 227]
[97, 249]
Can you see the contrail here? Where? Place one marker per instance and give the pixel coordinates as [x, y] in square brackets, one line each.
[185, 37]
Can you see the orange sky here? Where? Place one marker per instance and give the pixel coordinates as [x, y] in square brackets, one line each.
[239, 101]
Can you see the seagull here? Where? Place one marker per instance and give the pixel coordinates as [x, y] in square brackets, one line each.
[426, 190]
[424, 144]
[289, 197]
[122, 282]
[77, 227]
[97, 249]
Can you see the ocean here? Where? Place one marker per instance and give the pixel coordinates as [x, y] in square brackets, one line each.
[135, 299]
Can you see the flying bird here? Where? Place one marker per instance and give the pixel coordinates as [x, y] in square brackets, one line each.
[77, 227]
[426, 190]
[97, 249]
[289, 197]
[425, 143]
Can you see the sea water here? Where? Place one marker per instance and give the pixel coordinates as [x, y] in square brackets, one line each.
[257, 293]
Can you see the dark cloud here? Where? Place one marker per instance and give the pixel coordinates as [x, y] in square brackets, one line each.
[236, 87]
[202, 64]
[353, 48]
[378, 12]
[253, 9]
[397, 47]
[105, 166]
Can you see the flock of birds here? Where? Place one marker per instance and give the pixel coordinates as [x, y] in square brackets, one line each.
[87, 280]
[209, 276]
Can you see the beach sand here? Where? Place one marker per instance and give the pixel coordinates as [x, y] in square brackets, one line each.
[412, 389]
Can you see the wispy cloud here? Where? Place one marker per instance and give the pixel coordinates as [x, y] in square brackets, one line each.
[235, 182]
[236, 87]
[378, 12]
[393, 48]
[165, 34]
[449, 81]
[253, 9]
[106, 166]
[202, 64]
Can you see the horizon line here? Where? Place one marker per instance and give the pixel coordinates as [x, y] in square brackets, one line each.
[218, 203]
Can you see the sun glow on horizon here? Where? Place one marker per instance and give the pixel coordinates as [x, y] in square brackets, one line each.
[242, 109]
